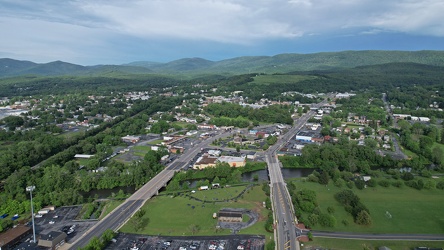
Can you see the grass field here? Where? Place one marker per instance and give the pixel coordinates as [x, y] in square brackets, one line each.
[270, 79]
[140, 150]
[411, 210]
[339, 244]
[173, 216]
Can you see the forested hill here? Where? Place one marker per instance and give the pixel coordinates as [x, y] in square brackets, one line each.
[382, 77]
[281, 63]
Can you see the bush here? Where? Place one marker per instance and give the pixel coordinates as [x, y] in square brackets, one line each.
[397, 184]
[371, 183]
[350, 184]
[407, 176]
[339, 183]
[271, 245]
[327, 220]
[313, 219]
[363, 218]
[360, 184]
[330, 210]
[384, 183]
[440, 185]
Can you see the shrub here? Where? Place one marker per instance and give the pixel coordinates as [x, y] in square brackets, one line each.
[384, 183]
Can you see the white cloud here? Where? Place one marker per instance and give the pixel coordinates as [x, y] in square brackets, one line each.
[69, 27]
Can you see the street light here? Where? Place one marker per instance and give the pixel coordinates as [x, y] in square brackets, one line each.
[30, 189]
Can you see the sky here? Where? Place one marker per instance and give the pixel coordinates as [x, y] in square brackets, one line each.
[91, 32]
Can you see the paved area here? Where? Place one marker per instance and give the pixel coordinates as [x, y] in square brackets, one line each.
[140, 242]
[63, 219]
[237, 226]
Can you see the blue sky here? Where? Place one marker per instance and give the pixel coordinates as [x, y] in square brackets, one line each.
[90, 32]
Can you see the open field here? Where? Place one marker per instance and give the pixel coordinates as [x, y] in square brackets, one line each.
[141, 150]
[173, 216]
[270, 79]
[411, 210]
[339, 244]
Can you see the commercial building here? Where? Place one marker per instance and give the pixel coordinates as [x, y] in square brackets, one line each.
[13, 236]
[52, 240]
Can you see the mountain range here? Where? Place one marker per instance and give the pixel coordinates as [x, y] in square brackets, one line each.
[281, 63]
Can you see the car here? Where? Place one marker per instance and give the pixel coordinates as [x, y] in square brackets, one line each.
[56, 216]
[51, 222]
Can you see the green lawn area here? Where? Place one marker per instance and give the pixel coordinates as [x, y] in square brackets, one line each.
[340, 244]
[270, 79]
[140, 150]
[173, 215]
[411, 210]
[155, 142]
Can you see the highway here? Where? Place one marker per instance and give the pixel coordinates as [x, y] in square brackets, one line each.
[119, 216]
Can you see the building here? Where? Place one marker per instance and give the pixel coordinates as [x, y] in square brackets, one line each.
[229, 216]
[83, 156]
[131, 139]
[304, 136]
[205, 161]
[13, 236]
[232, 161]
[52, 240]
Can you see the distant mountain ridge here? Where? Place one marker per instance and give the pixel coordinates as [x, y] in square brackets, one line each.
[281, 63]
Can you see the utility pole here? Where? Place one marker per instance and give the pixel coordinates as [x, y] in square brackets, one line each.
[30, 189]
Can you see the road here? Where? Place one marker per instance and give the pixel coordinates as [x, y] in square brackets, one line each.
[369, 236]
[119, 216]
[285, 220]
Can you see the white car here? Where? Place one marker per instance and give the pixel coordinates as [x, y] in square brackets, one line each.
[52, 222]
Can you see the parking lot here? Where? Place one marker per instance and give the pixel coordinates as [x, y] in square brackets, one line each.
[63, 219]
[230, 242]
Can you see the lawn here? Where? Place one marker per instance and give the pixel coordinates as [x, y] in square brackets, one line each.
[140, 150]
[340, 244]
[170, 215]
[411, 210]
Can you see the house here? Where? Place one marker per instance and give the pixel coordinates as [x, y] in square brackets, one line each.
[52, 240]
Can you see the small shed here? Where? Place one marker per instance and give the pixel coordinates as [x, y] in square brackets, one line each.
[230, 216]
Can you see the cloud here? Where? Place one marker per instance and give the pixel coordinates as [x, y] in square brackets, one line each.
[70, 27]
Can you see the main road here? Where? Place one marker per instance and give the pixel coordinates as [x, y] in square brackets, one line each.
[284, 218]
[119, 216]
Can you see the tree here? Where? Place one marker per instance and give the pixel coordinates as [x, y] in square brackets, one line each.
[324, 178]
[363, 218]
[138, 221]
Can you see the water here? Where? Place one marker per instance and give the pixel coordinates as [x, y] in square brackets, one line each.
[107, 193]
[263, 175]
[286, 172]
